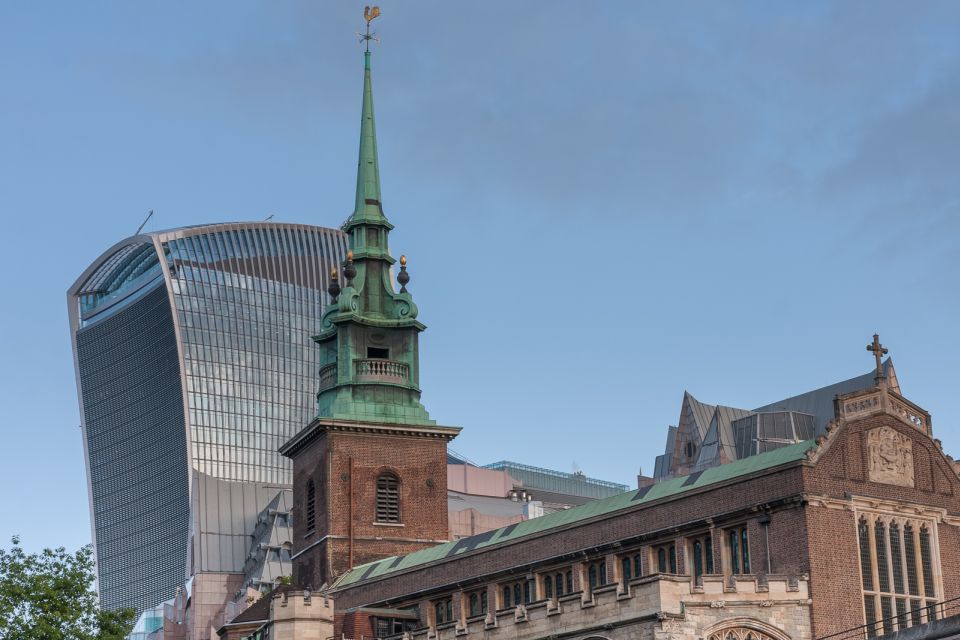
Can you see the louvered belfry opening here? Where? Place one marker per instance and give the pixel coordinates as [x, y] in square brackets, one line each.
[311, 506]
[388, 498]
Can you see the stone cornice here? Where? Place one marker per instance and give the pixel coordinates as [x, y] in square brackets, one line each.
[321, 426]
[880, 505]
[656, 597]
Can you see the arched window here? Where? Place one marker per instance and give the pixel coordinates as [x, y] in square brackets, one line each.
[506, 597]
[311, 506]
[559, 584]
[388, 498]
[548, 587]
[625, 565]
[739, 633]
[478, 603]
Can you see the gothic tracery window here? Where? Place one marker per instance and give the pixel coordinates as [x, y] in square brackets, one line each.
[896, 567]
[739, 633]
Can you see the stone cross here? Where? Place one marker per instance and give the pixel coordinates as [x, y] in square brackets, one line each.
[878, 352]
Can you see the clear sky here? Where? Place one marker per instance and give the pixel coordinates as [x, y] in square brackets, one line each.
[603, 204]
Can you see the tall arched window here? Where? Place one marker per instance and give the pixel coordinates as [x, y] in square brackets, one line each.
[388, 498]
[311, 506]
[897, 572]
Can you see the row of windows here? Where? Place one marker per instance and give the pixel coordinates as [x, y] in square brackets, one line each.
[271, 316]
[248, 360]
[243, 406]
[241, 371]
[278, 342]
[559, 582]
[285, 390]
[237, 291]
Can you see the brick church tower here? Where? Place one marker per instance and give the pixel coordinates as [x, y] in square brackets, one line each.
[370, 472]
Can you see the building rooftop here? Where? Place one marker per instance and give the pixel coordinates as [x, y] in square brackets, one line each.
[663, 490]
[572, 484]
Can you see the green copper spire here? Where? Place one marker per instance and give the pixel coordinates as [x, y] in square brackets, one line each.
[368, 340]
[368, 207]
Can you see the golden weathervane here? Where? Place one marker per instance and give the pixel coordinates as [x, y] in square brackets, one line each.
[369, 13]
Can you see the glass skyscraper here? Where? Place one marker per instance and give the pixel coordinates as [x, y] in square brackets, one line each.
[194, 364]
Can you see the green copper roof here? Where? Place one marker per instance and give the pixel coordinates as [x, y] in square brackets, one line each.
[659, 491]
[368, 207]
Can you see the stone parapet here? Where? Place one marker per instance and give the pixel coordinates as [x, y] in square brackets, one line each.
[301, 615]
[658, 607]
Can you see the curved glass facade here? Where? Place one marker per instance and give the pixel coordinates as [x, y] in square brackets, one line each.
[137, 457]
[194, 360]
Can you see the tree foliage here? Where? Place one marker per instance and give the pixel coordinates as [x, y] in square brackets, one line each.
[50, 596]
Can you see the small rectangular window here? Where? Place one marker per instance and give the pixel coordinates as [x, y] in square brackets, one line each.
[381, 353]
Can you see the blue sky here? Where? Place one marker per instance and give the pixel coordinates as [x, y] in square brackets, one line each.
[603, 204]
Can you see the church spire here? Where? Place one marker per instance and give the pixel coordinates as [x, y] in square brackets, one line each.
[367, 207]
[370, 360]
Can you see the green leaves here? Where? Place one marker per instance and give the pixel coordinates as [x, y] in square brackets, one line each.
[49, 596]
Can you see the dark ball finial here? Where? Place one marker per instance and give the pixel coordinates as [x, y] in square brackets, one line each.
[334, 288]
[349, 270]
[403, 277]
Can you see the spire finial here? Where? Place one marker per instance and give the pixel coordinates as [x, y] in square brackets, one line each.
[403, 277]
[878, 352]
[368, 207]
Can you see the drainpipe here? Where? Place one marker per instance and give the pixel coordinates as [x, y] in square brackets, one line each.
[350, 527]
[765, 521]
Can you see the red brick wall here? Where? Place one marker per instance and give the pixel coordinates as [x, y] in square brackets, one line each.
[656, 521]
[950, 559]
[420, 464]
[788, 543]
[841, 470]
[834, 570]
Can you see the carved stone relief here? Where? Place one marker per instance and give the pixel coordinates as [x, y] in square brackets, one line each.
[889, 457]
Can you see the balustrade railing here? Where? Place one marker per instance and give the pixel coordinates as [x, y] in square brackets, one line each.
[378, 370]
[328, 375]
